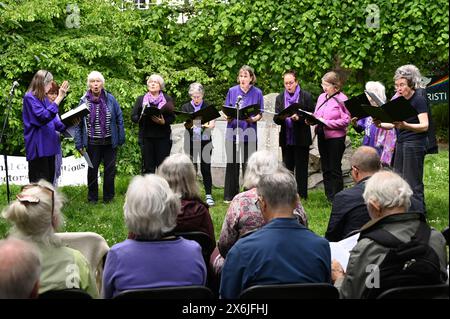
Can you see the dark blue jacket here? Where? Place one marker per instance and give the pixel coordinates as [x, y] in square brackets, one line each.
[117, 129]
[283, 251]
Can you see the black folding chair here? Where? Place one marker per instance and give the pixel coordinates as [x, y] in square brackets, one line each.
[178, 292]
[291, 291]
[65, 294]
[439, 291]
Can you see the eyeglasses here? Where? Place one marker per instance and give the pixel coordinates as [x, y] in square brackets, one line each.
[289, 83]
[32, 199]
[258, 202]
[400, 85]
[355, 168]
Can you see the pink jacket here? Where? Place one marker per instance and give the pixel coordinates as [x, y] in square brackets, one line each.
[335, 115]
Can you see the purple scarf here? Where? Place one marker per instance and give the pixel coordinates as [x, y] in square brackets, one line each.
[289, 100]
[159, 101]
[100, 103]
[196, 107]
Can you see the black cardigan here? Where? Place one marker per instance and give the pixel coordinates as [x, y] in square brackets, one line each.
[302, 131]
[148, 128]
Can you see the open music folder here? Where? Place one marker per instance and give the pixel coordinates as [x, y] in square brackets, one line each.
[244, 113]
[205, 115]
[310, 117]
[399, 109]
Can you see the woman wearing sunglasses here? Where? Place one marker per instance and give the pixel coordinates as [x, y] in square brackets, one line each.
[36, 215]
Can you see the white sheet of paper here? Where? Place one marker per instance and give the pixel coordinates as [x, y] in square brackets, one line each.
[340, 250]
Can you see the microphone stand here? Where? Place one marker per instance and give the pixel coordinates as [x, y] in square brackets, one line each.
[238, 155]
[5, 122]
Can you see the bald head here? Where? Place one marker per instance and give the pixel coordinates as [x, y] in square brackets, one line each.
[20, 269]
[366, 161]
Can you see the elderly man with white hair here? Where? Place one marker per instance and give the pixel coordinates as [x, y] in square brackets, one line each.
[20, 268]
[388, 198]
[154, 257]
[100, 133]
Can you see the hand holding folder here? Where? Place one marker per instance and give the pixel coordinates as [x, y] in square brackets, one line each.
[397, 110]
[205, 115]
[312, 120]
[244, 113]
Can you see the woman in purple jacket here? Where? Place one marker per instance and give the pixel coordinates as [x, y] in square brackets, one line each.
[240, 96]
[40, 126]
[331, 132]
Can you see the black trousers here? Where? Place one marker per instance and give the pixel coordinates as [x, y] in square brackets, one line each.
[202, 149]
[234, 161]
[154, 151]
[296, 158]
[331, 152]
[42, 168]
[107, 155]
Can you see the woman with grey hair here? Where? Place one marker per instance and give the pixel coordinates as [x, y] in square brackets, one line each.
[382, 140]
[412, 136]
[388, 198]
[153, 112]
[198, 143]
[179, 172]
[99, 134]
[243, 215]
[36, 215]
[154, 257]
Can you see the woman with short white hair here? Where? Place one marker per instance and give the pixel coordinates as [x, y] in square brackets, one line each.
[197, 140]
[36, 215]
[153, 112]
[243, 215]
[99, 134]
[382, 140]
[154, 257]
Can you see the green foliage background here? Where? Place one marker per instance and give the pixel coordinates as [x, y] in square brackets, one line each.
[218, 37]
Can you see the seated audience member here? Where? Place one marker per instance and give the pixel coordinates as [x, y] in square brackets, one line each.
[36, 215]
[349, 212]
[243, 215]
[178, 170]
[20, 268]
[387, 197]
[154, 257]
[282, 251]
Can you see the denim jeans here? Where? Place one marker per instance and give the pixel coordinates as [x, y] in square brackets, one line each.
[408, 162]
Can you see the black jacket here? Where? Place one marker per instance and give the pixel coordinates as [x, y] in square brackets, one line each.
[302, 131]
[148, 128]
[348, 212]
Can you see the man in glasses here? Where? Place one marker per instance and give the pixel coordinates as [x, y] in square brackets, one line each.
[282, 251]
[349, 212]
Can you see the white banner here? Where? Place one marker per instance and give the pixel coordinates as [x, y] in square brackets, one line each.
[73, 171]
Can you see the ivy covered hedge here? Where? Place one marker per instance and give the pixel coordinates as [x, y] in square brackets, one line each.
[71, 38]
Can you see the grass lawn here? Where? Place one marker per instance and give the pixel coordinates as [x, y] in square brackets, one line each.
[107, 219]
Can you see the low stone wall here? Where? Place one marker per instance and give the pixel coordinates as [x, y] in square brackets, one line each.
[267, 140]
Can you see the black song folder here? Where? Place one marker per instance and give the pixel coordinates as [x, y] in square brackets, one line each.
[289, 111]
[69, 117]
[310, 117]
[206, 114]
[244, 113]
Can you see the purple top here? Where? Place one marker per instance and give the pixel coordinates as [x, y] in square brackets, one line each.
[40, 126]
[134, 264]
[253, 96]
[382, 140]
[290, 99]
